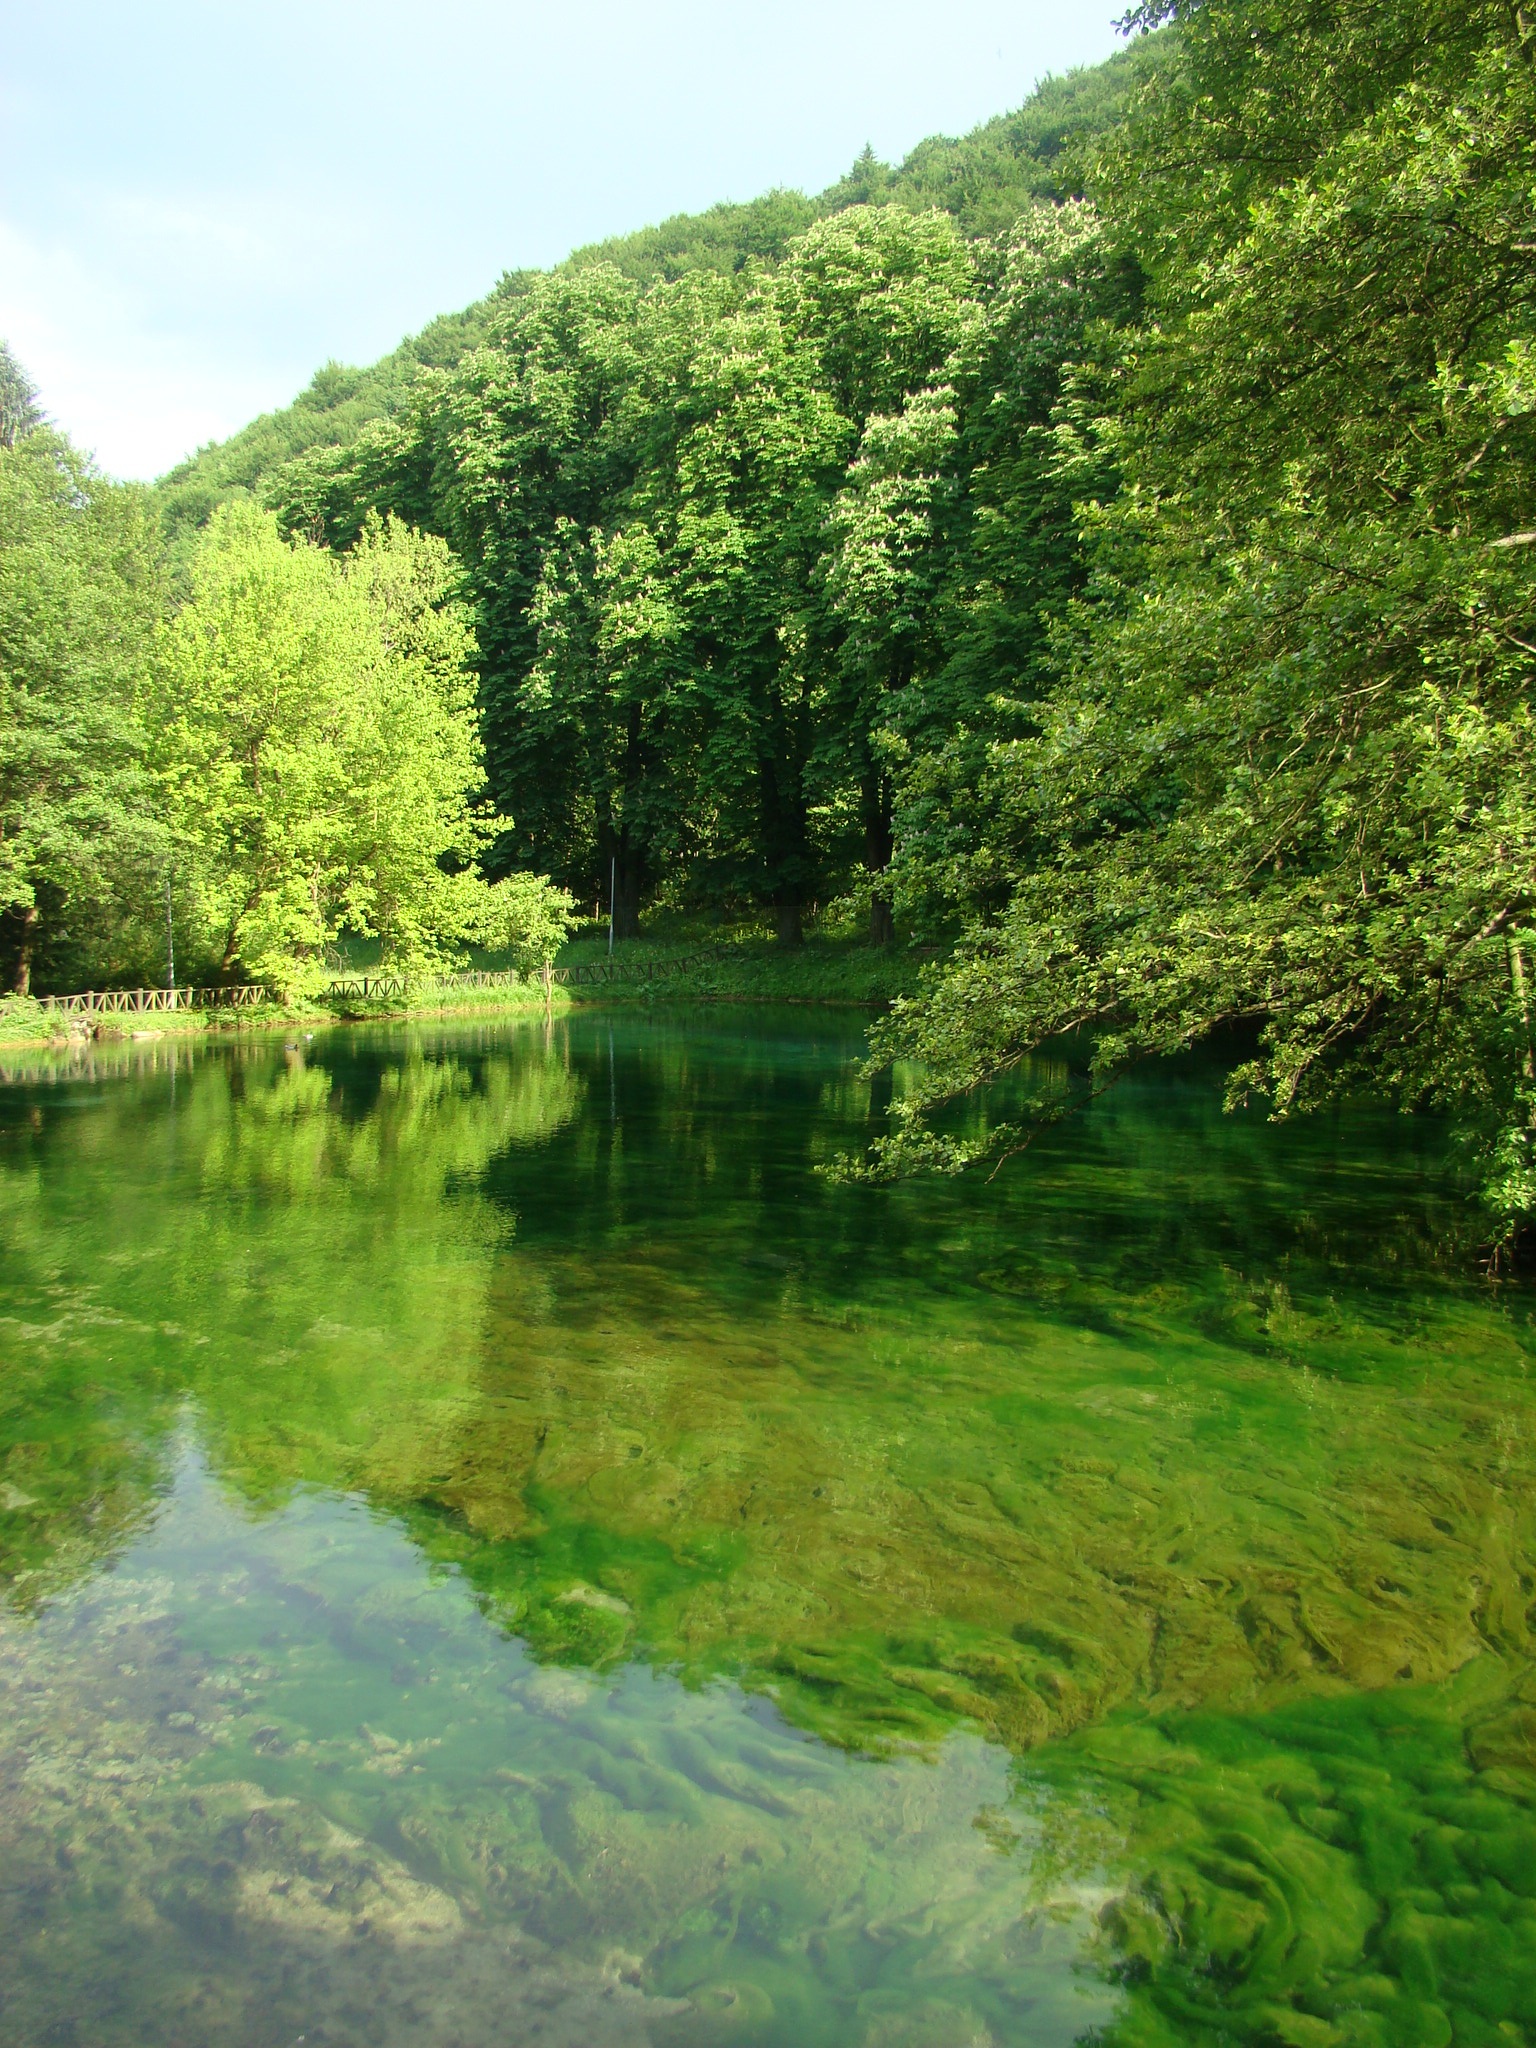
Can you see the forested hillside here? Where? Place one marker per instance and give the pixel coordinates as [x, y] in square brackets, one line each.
[707, 594]
[983, 179]
[332, 410]
[1103, 545]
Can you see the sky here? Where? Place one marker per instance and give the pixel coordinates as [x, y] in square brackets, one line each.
[202, 202]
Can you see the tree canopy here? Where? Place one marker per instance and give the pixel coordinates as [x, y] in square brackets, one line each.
[734, 647]
[1282, 777]
[289, 757]
[313, 749]
[79, 595]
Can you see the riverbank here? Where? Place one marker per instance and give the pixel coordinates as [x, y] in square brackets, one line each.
[26, 1025]
[748, 969]
[738, 968]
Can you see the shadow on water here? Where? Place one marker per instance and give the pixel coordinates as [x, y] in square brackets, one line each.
[493, 1540]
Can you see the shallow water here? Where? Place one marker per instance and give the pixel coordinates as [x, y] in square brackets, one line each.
[493, 1549]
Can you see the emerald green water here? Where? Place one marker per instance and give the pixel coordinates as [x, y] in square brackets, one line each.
[493, 1549]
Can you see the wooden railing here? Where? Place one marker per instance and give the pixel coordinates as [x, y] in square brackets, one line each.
[578, 974]
[367, 986]
[148, 1002]
[594, 973]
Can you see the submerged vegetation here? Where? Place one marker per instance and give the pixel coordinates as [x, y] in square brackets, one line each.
[542, 1510]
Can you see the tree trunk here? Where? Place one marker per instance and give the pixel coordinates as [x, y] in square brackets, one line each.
[629, 863]
[878, 847]
[1522, 996]
[628, 882]
[22, 985]
[232, 942]
[790, 871]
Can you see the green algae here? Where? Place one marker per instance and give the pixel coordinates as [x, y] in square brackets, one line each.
[1359, 1871]
[582, 1528]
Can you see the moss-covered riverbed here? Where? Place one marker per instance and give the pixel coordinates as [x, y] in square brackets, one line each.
[496, 1549]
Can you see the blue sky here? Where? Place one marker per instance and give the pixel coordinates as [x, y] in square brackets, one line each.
[200, 203]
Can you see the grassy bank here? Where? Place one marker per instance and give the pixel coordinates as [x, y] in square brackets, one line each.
[740, 966]
[748, 967]
[25, 1022]
[430, 1000]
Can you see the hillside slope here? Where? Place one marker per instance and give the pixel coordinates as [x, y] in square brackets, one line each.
[984, 179]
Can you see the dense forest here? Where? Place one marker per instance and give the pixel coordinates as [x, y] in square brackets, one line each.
[1102, 544]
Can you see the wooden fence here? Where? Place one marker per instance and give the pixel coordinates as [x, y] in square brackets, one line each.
[593, 973]
[150, 1002]
[580, 974]
[367, 985]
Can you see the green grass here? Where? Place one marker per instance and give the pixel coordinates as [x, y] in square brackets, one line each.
[432, 1000]
[23, 1022]
[747, 966]
[742, 964]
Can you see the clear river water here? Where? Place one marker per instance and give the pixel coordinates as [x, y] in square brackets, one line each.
[497, 1552]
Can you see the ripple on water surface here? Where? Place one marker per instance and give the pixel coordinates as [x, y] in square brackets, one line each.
[497, 1550]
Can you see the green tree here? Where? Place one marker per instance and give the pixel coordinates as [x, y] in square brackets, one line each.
[884, 582]
[952, 548]
[79, 597]
[879, 297]
[1285, 780]
[745, 504]
[609, 700]
[19, 409]
[314, 746]
[527, 917]
[530, 444]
